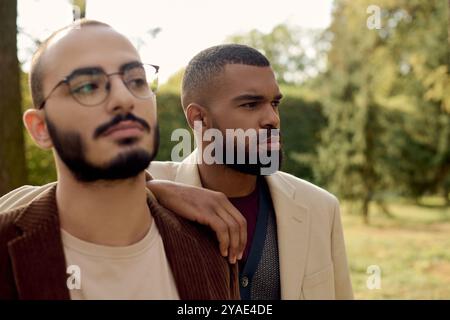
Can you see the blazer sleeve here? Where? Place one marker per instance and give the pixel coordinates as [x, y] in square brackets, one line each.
[21, 196]
[342, 281]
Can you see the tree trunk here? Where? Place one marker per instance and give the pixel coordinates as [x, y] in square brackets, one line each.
[365, 209]
[12, 146]
[384, 209]
[446, 194]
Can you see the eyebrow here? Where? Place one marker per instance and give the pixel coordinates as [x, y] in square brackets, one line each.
[96, 69]
[84, 71]
[254, 97]
[129, 65]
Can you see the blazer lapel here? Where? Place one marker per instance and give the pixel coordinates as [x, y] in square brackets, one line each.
[196, 277]
[293, 227]
[37, 255]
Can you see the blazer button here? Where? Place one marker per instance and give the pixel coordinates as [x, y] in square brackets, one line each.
[244, 281]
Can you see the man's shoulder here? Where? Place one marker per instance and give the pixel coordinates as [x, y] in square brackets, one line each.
[165, 170]
[168, 170]
[8, 228]
[173, 224]
[306, 189]
[22, 196]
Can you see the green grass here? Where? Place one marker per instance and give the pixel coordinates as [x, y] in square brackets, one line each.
[412, 250]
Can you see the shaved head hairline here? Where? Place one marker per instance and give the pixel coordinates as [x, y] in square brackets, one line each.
[37, 70]
[200, 79]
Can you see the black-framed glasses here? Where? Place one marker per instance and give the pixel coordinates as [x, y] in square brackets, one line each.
[91, 86]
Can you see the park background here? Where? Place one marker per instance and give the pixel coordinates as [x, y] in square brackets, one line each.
[366, 113]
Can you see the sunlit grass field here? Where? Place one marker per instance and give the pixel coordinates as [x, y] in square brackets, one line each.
[412, 250]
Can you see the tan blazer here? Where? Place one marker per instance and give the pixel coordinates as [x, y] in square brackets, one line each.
[313, 260]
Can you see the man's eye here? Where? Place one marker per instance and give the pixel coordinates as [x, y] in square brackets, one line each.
[86, 88]
[275, 103]
[250, 105]
[137, 83]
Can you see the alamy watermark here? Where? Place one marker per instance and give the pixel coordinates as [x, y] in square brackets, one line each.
[74, 279]
[254, 147]
[374, 280]
[374, 20]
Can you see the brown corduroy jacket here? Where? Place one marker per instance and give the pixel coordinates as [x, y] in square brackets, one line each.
[32, 261]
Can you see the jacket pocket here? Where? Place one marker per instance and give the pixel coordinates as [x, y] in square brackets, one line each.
[319, 285]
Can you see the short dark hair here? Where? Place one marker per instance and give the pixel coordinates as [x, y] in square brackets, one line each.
[37, 70]
[206, 65]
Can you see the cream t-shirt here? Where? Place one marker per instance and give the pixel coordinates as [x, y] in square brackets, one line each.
[137, 272]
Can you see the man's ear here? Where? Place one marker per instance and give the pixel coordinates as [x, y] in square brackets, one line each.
[195, 112]
[34, 121]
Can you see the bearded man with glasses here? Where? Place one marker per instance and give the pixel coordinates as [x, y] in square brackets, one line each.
[97, 233]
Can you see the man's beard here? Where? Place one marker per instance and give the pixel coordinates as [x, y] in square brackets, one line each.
[71, 149]
[258, 167]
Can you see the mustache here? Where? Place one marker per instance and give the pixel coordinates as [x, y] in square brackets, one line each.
[116, 120]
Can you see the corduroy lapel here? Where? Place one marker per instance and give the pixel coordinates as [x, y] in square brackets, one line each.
[198, 273]
[37, 255]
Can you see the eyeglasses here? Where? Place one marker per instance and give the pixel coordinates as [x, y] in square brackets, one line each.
[91, 86]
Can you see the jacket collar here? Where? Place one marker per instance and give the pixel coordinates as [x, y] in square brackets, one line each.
[37, 255]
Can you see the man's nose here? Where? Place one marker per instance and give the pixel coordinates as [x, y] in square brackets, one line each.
[120, 98]
[270, 117]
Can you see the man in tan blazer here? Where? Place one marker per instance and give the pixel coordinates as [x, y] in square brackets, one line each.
[295, 247]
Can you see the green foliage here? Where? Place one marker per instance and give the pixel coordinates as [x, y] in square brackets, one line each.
[302, 121]
[385, 95]
[282, 46]
[170, 118]
[40, 163]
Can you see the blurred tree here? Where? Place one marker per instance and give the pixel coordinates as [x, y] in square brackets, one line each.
[385, 93]
[284, 49]
[420, 45]
[12, 157]
[173, 84]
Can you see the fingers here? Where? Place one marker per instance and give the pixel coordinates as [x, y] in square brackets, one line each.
[230, 227]
[242, 226]
[221, 229]
[233, 233]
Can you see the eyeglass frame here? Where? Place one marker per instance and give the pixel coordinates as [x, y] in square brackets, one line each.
[123, 68]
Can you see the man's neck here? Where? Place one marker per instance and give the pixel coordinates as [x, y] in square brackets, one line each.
[106, 213]
[232, 183]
